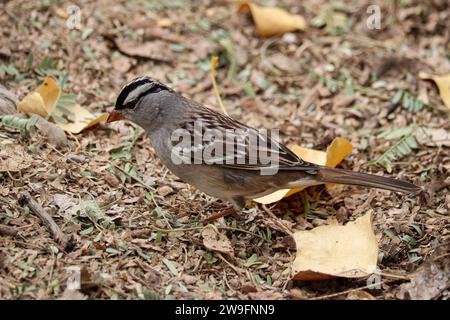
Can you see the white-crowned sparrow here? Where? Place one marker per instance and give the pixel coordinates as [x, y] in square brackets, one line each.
[254, 163]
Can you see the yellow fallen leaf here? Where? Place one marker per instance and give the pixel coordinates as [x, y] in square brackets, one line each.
[61, 12]
[273, 21]
[349, 251]
[43, 101]
[33, 103]
[336, 152]
[442, 82]
[164, 22]
[82, 119]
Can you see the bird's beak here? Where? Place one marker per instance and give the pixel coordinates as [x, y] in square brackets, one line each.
[115, 116]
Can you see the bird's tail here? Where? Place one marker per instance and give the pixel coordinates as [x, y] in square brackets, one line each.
[341, 176]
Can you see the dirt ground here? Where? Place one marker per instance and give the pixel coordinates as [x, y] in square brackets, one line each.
[136, 228]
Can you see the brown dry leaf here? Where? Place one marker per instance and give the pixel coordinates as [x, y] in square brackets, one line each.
[273, 21]
[336, 152]
[42, 101]
[349, 251]
[68, 207]
[432, 278]
[433, 137]
[284, 63]
[265, 295]
[443, 83]
[13, 158]
[70, 294]
[121, 64]
[7, 101]
[155, 50]
[360, 295]
[215, 241]
[343, 101]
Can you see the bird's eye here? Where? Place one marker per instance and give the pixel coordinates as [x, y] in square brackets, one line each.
[130, 105]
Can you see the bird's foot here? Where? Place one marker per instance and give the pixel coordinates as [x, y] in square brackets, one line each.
[223, 213]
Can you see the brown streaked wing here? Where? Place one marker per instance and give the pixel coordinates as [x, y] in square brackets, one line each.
[211, 119]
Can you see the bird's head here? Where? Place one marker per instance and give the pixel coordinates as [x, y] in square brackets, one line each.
[140, 101]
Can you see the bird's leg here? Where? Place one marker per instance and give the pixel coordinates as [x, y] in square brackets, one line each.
[234, 209]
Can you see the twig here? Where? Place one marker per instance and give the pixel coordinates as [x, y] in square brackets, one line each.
[441, 256]
[277, 221]
[141, 232]
[337, 294]
[7, 231]
[237, 269]
[395, 276]
[78, 148]
[64, 240]
[142, 183]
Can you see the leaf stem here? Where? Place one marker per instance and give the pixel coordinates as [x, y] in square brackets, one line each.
[214, 61]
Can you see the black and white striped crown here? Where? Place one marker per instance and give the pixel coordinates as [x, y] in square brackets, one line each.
[136, 89]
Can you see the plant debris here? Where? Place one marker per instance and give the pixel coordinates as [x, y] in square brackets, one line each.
[137, 229]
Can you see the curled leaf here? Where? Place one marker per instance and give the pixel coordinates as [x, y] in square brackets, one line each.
[442, 82]
[349, 251]
[43, 101]
[336, 152]
[273, 21]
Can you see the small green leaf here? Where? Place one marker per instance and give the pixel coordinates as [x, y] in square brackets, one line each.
[397, 97]
[251, 261]
[87, 231]
[86, 33]
[209, 257]
[258, 279]
[389, 234]
[65, 111]
[396, 133]
[177, 47]
[171, 267]
[112, 251]
[249, 90]
[143, 255]
[168, 289]
[418, 230]
[412, 143]
[58, 119]
[68, 96]
[269, 280]
[86, 173]
[408, 239]
[158, 237]
[30, 59]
